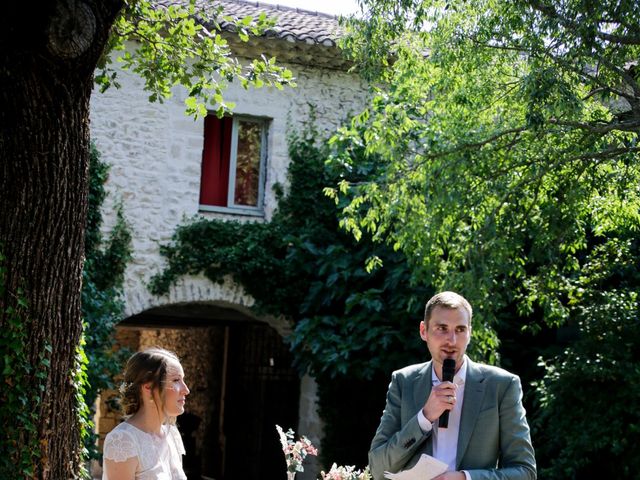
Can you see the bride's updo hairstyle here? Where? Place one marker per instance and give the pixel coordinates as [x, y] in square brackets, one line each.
[148, 366]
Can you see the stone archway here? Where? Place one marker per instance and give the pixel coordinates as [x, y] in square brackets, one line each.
[239, 370]
[198, 290]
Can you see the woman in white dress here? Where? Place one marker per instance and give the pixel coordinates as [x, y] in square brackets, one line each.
[147, 445]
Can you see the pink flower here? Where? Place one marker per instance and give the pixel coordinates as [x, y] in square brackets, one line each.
[346, 473]
[294, 452]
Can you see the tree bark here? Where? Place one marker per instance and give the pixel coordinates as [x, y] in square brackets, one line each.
[48, 54]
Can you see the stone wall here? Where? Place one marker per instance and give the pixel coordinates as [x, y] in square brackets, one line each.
[155, 153]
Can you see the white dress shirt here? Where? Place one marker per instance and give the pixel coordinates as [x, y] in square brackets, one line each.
[445, 440]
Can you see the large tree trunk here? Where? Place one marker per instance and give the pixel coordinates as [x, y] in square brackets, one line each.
[48, 54]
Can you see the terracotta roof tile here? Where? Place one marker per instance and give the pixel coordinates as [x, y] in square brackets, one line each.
[292, 24]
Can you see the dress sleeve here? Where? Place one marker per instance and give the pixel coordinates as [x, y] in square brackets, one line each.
[119, 446]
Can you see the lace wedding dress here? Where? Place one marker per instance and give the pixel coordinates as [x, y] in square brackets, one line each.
[159, 456]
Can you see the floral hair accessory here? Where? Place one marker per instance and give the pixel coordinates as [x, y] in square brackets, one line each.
[124, 386]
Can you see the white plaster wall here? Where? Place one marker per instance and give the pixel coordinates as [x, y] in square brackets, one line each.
[155, 151]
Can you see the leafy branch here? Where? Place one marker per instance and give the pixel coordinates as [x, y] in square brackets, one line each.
[182, 45]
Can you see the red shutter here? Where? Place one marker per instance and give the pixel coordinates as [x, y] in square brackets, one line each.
[214, 181]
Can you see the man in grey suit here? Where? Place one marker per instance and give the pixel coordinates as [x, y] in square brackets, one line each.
[487, 436]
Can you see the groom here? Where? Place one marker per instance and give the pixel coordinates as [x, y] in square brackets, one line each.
[487, 436]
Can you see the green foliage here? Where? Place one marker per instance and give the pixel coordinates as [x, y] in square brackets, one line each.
[351, 326]
[181, 45]
[23, 380]
[225, 248]
[81, 383]
[97, 363]
[495, 157]
[598, 376]
[302, 265]
[501, 153]
[355, 420]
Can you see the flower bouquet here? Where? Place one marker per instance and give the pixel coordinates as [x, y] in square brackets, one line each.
[296, 451]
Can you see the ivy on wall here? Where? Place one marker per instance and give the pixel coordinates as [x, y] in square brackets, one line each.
[102, 305]
[301, 264]
[352, 325]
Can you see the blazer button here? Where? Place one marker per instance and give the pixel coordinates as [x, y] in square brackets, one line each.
[409, 443]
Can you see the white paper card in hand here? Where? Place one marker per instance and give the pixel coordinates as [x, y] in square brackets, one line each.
[427, 468]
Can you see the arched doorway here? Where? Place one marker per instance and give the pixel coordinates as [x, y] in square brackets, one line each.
[242, 384]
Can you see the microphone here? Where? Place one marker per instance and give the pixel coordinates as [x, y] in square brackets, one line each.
[448, 371]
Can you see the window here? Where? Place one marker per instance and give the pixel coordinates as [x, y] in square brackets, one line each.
[233, 161]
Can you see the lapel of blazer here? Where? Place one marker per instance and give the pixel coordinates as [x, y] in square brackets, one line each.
[422, 386]
[421, 391]
[473, 395]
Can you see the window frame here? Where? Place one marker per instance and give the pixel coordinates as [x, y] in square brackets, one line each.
[231, 207]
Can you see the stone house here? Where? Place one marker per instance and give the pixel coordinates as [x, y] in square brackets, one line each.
[165, 168]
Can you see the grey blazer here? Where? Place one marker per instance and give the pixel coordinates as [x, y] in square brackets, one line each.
[493, 442]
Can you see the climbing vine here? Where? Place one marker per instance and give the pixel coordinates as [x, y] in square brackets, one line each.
[19, 400]
[97, 363]
[80, 381]
[301, 264]
[352, 324]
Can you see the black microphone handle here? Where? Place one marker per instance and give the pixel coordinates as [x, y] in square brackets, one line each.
[448, 371]
[443, 421]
